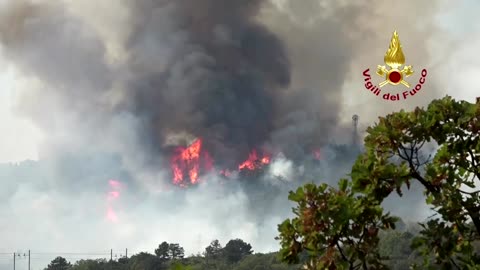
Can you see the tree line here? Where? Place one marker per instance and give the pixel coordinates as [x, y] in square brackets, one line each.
[236, 254]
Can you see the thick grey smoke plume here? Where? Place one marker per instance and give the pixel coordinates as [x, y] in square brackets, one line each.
[115, 84]
[208, 70]
[223, 73]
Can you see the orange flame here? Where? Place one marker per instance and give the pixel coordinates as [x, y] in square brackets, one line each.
[188, 163]
[187, 160]
[253, 162]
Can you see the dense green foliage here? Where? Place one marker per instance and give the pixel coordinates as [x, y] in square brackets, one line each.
[59, 263]
[346, 220]
[335, 227]
[166, 252]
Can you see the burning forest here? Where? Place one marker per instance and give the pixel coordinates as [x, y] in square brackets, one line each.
[205, 112]
[208, 92]
[220, 102]
[189, 163]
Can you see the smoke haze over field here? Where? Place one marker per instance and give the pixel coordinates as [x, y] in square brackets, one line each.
[110, 87]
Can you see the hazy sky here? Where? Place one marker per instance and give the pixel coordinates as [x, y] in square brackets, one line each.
[41, 217]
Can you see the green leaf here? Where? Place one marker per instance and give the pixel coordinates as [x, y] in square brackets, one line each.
[430, 199]
[343, 184]
[296, 196]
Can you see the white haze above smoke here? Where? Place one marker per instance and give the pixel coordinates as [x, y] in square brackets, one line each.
[81, 48]
[282, 167]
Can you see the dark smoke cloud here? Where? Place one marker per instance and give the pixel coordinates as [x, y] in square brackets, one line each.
[221, 79]
[208, 69]
[49, 44]
[113, 95]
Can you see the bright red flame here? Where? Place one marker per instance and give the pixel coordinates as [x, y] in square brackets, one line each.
[186, 163]
[254, 162]
[189, 162]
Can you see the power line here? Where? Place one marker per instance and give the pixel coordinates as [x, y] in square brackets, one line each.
[77, 256]
[71, 253]
[26, 254]
[105, 252]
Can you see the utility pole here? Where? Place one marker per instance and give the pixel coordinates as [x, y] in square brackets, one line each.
[355, 130]
[14, 255]
[126, 253]
[29, 259]
[111, 255]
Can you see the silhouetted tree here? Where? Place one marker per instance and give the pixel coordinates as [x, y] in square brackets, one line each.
[176, 251]
[236, 249]
[89, 264]
[163, 251]
[123, 260]
[59, 263]
[145, 261]
[213, 255]
[214, 250]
